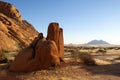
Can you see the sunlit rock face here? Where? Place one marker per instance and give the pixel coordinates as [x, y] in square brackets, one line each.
[55, 33]
[37, 52]
[10, 10]
[41, 54]
[15, 33]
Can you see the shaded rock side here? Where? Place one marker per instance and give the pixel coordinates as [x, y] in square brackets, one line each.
[0, 53]
[15, 33]
[61, 44]
[21, 62]
[55, 33]
[41, 54]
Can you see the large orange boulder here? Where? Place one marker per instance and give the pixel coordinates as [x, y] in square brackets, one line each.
[55, 33]
[21, 61]
[47, 54]
[25, 60]
[41, 54]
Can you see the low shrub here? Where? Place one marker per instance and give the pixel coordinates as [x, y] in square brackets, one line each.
[4, 57]
[103, 51]
[85, 57]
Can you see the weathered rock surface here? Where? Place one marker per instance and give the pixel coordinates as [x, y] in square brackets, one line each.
[17, 33]
[14, 31]
[0, 53]
[10, 10]
[55, 33]
[41, 54]
[47, 53]
[21, 62]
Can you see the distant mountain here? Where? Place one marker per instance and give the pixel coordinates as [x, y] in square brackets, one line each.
[97, 42]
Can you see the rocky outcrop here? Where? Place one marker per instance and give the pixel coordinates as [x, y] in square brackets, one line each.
[55, 33]
[15, 33]
[41, 54]
[10, 11]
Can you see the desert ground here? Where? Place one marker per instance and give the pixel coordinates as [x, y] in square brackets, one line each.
[107, 66]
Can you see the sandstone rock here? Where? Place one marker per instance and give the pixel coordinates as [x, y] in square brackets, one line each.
[3, 28]
[41, 54]
[0, 53]
[15, 33]
[61, 44]
[55, 33]
[21, 61]
[47, 53]
[8, 77]
[7, 43]
[10, 10]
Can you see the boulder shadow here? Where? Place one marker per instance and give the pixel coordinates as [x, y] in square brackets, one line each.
[110, 69]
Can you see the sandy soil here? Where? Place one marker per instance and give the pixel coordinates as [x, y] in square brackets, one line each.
[108, 68]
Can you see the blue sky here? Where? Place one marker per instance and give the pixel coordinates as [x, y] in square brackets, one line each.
[81, 20]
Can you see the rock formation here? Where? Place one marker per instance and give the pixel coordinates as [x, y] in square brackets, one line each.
[47, 53]
[10, 11]
[41, 54]
[15, 32]
[55, 33]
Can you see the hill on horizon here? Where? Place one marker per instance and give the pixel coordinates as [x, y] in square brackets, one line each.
[98, 42]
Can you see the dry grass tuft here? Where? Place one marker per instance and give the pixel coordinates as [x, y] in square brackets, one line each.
[4, 58]
[103, 51]
[84, 57]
